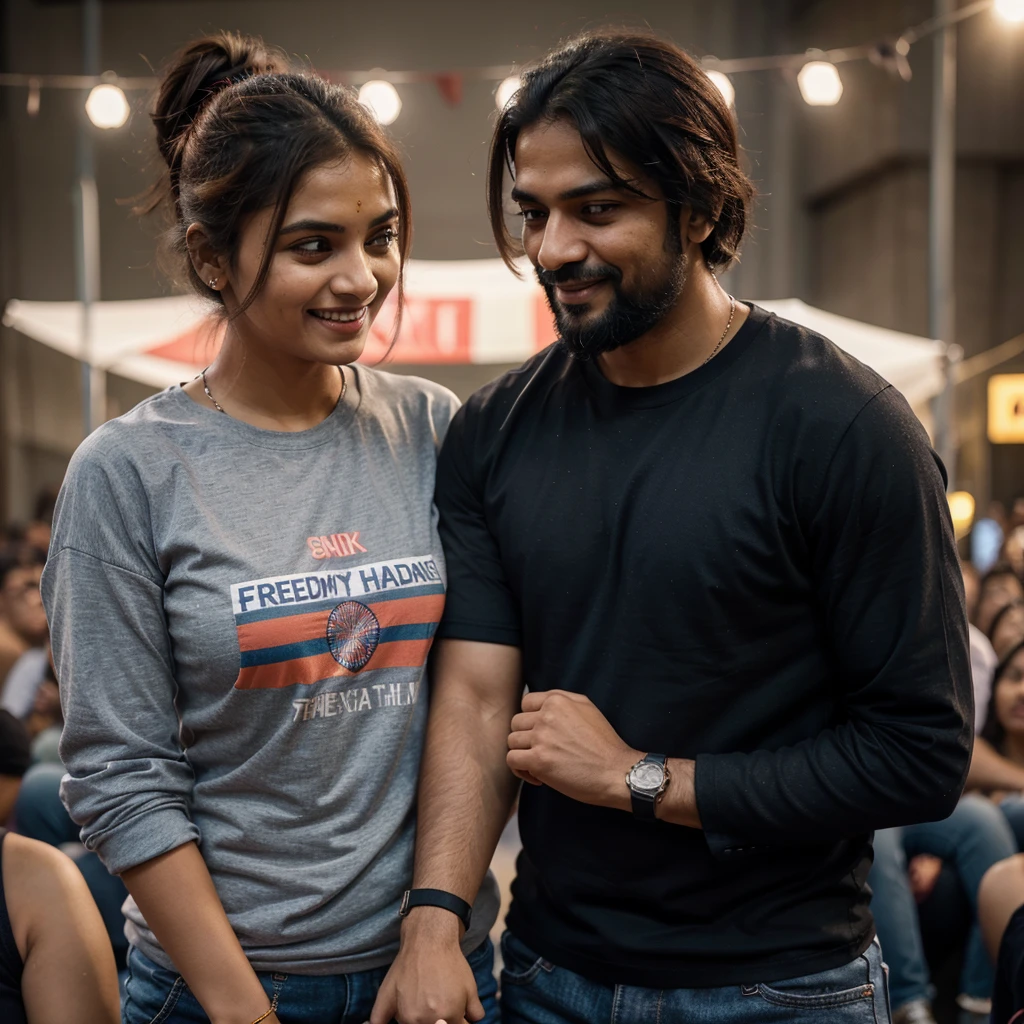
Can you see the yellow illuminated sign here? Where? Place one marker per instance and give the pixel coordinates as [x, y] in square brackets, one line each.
[1006, 408]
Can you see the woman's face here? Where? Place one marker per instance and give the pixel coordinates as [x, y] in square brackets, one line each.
[1009, 630]
[996, 593]
[333, 264]
[1009, 696]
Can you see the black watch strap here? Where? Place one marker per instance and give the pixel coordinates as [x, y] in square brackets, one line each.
[643, 803]
[436, 898]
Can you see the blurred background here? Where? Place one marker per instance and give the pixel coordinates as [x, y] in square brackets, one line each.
[898, 203]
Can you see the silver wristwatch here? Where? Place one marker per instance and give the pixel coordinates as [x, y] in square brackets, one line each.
[647, 781]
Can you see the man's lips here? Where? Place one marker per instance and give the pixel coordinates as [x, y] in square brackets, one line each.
[576, 292]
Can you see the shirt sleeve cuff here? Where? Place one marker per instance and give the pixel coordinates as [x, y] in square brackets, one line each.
[725, 845]
[142, 838]
[485, 634]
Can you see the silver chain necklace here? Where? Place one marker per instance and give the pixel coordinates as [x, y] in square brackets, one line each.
[732, 313]
[217, 406]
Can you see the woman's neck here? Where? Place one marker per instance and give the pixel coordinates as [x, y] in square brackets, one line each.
[269, 390]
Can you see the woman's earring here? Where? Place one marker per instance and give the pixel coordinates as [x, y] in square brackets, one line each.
[213, 283]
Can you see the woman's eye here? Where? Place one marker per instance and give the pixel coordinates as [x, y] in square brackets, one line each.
[385, 238]
[312, 246]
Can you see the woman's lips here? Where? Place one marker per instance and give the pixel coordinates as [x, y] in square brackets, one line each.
[347, 327]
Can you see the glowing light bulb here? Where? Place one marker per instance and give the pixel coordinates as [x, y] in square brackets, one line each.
[820, 84]
[508, 88]
[1010, 10]
[382, 100]
[961, 510]
[724, 86]
[107, 107]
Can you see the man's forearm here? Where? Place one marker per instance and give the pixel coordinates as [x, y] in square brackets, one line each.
[990, 770]
[200, 942]
[466, 790]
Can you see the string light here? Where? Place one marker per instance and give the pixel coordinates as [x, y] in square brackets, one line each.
[1010, 10]
[382, 100]
[820, 84]
[107, 106]
[724, 86]
[506, 90]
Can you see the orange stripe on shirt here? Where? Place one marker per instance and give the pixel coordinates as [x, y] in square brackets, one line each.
[291, 629]
[305, 671]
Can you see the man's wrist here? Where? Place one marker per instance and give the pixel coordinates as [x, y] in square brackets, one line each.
[616, 789]
[434, 924]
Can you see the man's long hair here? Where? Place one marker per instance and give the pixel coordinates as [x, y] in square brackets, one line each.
[647, 101]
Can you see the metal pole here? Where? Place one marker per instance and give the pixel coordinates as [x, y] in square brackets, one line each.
[87, 233]
[941, 294]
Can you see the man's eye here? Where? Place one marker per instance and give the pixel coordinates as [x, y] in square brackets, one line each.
[597, 209]
[529, 215]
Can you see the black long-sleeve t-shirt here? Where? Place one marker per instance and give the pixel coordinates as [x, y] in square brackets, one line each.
[752, 566]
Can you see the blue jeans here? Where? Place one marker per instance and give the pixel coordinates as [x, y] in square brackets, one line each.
[535, 991]
[973, 838]
[158, 996]
[1012, 807]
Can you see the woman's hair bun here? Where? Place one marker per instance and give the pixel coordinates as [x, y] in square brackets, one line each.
[196, 74]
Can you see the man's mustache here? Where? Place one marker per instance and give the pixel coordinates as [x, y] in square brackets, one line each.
[576, 273]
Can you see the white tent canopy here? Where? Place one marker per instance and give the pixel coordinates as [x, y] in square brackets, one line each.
[467, 311]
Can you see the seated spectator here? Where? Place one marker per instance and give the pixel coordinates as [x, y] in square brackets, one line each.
[23, 681]
[55, 960]
[999, 587]
[973, 838]
[15, 757]
[22, 616]
[983, 657]
[39, 814]
[1004, 732]
[1007, 628]
[1001, 914]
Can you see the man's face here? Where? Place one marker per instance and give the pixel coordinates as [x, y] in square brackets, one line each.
[611, 263]
[22, 605]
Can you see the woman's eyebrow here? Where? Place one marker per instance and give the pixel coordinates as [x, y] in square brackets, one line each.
[323, 225]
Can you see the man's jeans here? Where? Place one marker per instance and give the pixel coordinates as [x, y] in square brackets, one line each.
[534, 991]
[158, 996]
[971, 840]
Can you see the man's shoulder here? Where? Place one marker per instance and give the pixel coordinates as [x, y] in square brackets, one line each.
[496, 398]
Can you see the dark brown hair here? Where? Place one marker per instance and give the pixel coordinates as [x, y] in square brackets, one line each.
[651, 103]
[238, 130]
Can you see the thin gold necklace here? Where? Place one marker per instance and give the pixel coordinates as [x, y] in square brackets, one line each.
[217, 406]
[732, 313]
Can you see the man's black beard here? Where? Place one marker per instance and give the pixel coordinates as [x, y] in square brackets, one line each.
[628, 316]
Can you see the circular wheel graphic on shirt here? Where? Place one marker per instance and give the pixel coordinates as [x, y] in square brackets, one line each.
[353, 633]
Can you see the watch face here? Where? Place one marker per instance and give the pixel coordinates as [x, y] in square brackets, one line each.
[647, 776]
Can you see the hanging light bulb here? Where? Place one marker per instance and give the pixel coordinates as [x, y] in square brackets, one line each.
[1010, 10]
[724, 86]
[820, 84]
[32, 103]
[382, 100]
[508, 88]
[107, 106]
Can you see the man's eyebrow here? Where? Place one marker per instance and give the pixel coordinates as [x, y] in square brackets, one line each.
[588, 189]
[323, 225]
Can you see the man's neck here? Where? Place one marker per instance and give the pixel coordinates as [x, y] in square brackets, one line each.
[684, 338]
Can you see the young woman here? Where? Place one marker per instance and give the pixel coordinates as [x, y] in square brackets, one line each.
[1004, 727]
[246, 577]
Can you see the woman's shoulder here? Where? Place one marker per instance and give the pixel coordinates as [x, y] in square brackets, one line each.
[132, 436]
[416, 399]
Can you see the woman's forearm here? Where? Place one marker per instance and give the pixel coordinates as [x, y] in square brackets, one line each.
[176, 896]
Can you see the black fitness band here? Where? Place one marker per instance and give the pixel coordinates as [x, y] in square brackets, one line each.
[436, 898]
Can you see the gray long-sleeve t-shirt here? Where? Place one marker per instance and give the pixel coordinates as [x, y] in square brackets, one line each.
[241, 620]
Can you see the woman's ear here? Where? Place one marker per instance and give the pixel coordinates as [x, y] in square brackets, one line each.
[209, 264]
